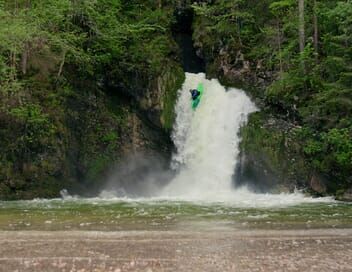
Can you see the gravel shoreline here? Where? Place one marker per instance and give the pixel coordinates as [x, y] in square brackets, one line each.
[253, 250]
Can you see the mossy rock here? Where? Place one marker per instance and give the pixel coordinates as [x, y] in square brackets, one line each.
[272, 154]
[172, 83]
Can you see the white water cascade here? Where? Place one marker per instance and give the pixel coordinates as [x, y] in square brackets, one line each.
[207, 140]
[207, 148]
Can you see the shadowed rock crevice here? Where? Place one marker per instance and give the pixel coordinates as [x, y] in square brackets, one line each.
[182, 33]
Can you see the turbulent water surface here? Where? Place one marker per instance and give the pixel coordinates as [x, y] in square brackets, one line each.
[118, 214]
[202, 193]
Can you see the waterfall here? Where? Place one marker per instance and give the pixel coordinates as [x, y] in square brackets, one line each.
[207, 150]
[207, 140]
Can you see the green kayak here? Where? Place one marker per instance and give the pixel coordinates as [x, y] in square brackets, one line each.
[195, 102]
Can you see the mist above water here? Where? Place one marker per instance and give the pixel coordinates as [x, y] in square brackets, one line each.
[139, 175]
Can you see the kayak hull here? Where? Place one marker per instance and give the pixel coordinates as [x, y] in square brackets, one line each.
[196, 102]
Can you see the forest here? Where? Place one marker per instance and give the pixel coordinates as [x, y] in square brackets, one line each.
[84, 82]
[302, 50]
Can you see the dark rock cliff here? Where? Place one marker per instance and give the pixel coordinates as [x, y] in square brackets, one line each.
[89, 133]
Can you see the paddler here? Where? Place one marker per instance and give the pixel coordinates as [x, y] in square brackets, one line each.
[194, 93]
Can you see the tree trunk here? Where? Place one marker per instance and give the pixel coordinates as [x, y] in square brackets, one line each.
[24, 59]
[13, 64]
[315, 23]
[62, 63]
[279, 46]
[301, 25]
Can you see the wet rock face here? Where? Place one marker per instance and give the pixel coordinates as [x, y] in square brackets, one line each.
[271, 158]
[238, 67]
[158, 100]
[94, 135]
[128, 124]
[231, 65]
[92, 131]
[182, 33]
[256, 172]
[233, 68]
[183, 15]
[152, 95]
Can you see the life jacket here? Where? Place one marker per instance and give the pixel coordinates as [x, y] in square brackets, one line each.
[195, 94]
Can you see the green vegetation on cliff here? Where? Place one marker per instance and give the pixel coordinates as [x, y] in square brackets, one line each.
[73, 78]
[84, 82]
[298, 56]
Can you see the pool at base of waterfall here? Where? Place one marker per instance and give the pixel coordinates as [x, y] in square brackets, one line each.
[128, 214]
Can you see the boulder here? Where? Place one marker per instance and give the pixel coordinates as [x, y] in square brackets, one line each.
[317, 184]
[347, 196]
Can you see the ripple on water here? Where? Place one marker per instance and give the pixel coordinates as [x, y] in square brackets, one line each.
[101, 214]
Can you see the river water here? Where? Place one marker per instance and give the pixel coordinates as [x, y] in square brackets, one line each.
[119, 214]
[201, 196]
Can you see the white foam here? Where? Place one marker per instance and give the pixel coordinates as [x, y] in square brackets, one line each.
[239, 198]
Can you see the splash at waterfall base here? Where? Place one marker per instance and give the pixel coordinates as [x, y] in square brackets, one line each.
[209, 160]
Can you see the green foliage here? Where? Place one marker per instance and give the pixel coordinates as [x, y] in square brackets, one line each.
[68, 73]
[110, 137]
[336, 143]
[223, 20]
[258, 140]
[57, 56]
[97, 167]
[37, 126]
[275, 149]
[311, 88]
[278, 7]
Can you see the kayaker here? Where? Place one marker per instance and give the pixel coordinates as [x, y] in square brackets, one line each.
[194, 93]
